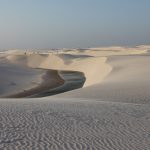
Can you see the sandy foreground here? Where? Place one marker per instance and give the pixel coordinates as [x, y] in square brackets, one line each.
[78, 99]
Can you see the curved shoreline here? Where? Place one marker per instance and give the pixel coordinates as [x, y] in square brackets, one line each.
[72, 80]
[50, 80]
[53, 82]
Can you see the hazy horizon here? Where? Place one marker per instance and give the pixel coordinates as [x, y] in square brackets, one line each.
[73, 24]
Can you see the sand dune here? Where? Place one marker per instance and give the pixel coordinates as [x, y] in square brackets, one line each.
[109, 51]
[18, 80]
[107, 109]
[93, 75]
[128, 82]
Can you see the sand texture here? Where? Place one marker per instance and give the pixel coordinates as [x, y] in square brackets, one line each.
[68, 125]
[75, 99]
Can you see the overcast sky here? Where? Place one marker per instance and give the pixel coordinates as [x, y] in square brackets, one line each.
[73, 23]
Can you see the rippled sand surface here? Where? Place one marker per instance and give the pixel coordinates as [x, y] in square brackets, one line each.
[81, 125]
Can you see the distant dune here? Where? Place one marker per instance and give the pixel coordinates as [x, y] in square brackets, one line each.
[75, 99]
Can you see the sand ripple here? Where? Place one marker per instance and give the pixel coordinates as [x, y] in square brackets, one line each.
[74, 126]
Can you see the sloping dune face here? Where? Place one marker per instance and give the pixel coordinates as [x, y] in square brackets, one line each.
[128, 80]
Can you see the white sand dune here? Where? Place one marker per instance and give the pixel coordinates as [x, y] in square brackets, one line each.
[110, 112]
[109, 51]
[95, 74]
[81, 65]
[128, 82]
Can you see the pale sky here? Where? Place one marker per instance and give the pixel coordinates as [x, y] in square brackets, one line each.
[73, 23]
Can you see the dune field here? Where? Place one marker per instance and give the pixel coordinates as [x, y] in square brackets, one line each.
[75, 99]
